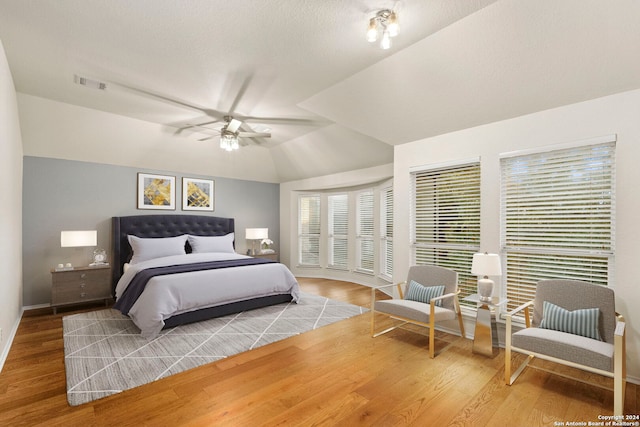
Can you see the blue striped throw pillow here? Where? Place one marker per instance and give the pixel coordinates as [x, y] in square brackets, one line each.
[582, 322]
[418, 292]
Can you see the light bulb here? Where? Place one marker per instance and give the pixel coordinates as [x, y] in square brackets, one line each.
[385, 43]
[372, 32]
[393, 25]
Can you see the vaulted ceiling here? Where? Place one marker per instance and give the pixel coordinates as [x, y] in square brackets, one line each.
[454, 65]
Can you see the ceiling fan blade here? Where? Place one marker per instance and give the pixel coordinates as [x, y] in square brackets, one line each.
[207, 138]
[165, 98]
[287, 120]
[254, 134]
[186, 126]
[240, 94]
[234, 125]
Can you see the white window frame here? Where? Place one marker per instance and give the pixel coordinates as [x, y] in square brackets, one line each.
[386, 233]
[338, 234]
[365, 230]
[575, 181]
[304, 234]
[451, 243]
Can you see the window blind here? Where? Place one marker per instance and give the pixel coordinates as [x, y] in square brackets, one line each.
[309, 230]
[445, 219]
[386, 233]
[364, 235]
[557, 217]
[338, 230]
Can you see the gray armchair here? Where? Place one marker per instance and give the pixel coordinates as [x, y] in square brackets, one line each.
[572, 337]
[423, 313]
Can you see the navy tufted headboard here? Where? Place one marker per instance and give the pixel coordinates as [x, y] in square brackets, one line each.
[160, 226]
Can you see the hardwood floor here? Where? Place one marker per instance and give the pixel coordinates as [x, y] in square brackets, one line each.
[335, 375]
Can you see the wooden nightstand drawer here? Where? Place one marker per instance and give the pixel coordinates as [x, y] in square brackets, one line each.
[272, 256]
[83, 284]
[75, 276]
[79, 294]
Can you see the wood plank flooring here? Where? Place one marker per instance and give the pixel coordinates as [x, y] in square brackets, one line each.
[334, 376]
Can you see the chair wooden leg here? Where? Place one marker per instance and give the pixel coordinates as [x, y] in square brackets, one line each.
[516, 374]
[507, 363]
[508, 377]
[432, 328]
[373, 322]
[461, 323]
[456, 306]
[373, 312]
[619, 375]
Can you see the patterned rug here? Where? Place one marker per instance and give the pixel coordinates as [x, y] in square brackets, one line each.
[105, 354]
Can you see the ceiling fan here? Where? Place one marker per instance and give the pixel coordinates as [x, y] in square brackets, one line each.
[234, 126]
[231, 131]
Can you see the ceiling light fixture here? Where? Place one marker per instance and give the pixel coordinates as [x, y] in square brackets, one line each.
[386, 22]
[229, 134]
[229, 140]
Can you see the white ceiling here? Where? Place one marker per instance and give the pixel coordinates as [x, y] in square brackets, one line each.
[455, 64]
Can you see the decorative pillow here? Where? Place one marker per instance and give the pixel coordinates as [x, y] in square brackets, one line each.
[146, 249]
[582, 322]
[418, 292]
[202, 244]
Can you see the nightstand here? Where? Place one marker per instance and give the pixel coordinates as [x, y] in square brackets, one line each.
[273, 256]
[80, 285]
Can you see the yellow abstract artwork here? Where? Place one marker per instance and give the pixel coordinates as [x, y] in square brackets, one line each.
[197, 194]
[156, 191]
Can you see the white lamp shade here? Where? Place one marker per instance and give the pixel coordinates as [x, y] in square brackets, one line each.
[71, 239]
[486, 265]
[257, 233]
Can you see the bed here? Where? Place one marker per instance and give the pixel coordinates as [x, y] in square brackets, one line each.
[175, 269]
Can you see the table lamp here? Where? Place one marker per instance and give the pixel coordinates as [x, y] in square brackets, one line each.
[254, 234]
[76, 239]
[485, 264]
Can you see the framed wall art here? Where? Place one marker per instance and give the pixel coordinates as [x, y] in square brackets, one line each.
[156, 191]
[197, 194]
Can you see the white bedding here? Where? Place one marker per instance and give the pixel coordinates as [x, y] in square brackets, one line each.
[166, 296]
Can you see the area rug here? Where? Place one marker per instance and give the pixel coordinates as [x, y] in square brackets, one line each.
[105, 354]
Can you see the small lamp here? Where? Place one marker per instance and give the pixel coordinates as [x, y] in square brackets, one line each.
[486, 265]
[256, 234]
[77, 239]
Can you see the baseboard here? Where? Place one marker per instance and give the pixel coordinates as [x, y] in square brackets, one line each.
[35, 307]
[9, 340]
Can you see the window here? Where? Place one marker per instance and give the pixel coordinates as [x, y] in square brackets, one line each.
[364, 235]
[386, 233]
[557, 217]
[338, 231]
[309, 230]
[445, 219]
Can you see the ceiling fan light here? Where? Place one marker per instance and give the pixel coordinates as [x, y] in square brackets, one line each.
[372, 32]
[227, 141]
[393, 26]
[385, 43]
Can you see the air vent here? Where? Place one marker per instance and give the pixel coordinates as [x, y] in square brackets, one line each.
[94, 84]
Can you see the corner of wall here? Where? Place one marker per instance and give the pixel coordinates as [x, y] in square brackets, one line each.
[10, 210]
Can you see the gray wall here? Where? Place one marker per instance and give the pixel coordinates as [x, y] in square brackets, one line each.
[71, 195]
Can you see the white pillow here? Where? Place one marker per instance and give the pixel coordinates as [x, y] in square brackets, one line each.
[146, 249]
[205, 244]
